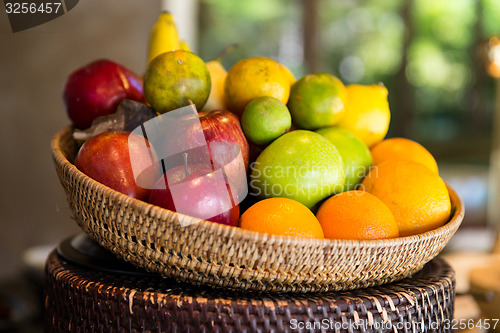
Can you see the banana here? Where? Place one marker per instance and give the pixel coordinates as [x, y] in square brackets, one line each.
[164, 36]
[185, 46]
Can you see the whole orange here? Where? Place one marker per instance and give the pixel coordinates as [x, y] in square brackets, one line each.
[281, 216]
[403, 149]
[417, 196]
[356, 215]
[255, 77]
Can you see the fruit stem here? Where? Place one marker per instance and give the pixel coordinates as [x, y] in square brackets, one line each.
[186, 170]
[192, 105]
[227, 50]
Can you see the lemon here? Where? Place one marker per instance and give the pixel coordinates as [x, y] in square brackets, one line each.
[367, 113]
[255, 77]
[216, 99]
[317, 100]
[174, 78]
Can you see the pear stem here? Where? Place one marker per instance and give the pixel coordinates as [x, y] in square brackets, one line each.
[227, 50]
[186, 170]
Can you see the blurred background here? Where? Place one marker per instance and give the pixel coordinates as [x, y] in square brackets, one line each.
[436, 57]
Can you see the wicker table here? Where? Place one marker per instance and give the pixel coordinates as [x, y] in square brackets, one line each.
[86, 298]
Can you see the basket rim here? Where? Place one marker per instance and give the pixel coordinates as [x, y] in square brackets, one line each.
[456, 216]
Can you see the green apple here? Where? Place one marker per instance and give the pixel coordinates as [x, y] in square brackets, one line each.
[300, 165]
[317, 100]
[355, 154]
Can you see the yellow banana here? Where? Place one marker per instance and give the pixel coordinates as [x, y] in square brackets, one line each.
[164, 36]
[185, 46]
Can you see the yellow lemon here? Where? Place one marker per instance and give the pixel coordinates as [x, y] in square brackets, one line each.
[367, 113]
[216, 99]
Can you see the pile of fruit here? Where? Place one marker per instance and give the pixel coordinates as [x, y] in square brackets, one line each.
[314, 158]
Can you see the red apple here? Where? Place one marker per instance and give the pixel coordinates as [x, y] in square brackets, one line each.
[178, 173]
[224, 126]
[106, 158]
[203, 194]
[96, 90]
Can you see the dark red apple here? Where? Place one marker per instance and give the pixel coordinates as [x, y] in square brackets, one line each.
[224, 126]
[96, 90]
[204, 194]
[106, 158]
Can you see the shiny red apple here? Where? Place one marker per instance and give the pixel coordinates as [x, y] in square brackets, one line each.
[204, 194]
[179, 173]
[96, 90]
[224, 126]
[106, 158]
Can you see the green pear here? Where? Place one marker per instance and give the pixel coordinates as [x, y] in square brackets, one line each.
[300, 165]
[355, 154]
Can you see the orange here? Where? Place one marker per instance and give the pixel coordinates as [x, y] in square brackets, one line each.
[356, 215]
[281, 216]
[174, 78]
[255, 77]
[288, 73]
[403, 149]
[317, 100]
[417, 196]
[367, 113]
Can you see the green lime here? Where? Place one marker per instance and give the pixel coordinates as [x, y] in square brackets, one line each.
[317, 100]
[355, 154]
[174, 78]
[265, 119]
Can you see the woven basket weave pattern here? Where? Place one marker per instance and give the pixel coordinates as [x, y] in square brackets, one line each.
[218, 255]
[89, 300]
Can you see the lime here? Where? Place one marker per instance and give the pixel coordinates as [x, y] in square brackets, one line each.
[174, 78]
[265, 119]
[317, 100]
[355, 154]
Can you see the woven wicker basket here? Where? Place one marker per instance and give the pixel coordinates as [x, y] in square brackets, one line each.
[90, 300]
[208, 253]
